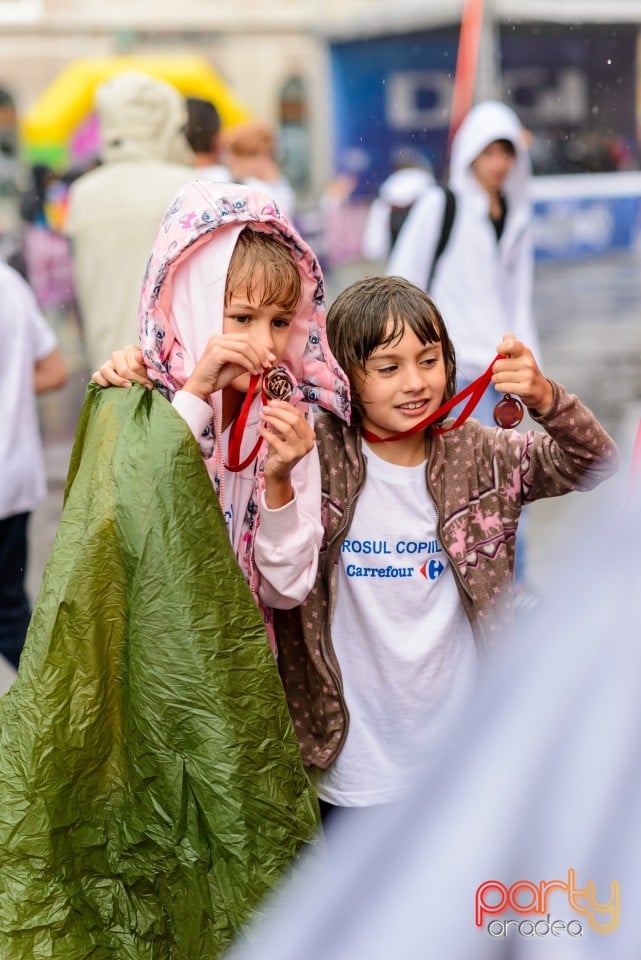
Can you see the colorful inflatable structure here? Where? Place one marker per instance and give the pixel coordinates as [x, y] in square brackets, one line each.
[59, 128]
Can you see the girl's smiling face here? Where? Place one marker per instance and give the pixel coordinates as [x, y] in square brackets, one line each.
[404, 382]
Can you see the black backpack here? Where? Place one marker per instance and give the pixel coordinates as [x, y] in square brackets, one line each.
[446, 229]
[398, 215]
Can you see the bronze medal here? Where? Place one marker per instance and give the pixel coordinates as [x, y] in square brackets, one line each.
[508, 412]
[277, 384]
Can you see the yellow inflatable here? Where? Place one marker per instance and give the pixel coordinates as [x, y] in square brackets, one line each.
[47, 127]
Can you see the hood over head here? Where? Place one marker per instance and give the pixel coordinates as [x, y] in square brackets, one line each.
[486, 122]
[183, 296]
[141, 118]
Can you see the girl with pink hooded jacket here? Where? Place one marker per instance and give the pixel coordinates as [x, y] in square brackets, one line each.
[231, 290]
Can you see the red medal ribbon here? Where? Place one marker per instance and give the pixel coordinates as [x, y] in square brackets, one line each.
[237, 430]
[474, 391]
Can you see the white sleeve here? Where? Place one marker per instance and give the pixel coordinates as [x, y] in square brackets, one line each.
[42, 339]
[288, 540]
[195, 412]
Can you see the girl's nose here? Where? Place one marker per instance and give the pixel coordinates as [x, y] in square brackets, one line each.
[262, 337]
[412, 380]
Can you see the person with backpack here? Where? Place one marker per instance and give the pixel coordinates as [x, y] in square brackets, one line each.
[471, 247]
[482, 281]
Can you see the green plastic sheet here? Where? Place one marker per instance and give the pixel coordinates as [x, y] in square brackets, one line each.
[151, 788]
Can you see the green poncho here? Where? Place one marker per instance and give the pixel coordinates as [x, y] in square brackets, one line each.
[151, 789]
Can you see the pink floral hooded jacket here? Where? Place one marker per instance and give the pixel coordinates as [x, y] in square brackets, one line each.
[182, 306]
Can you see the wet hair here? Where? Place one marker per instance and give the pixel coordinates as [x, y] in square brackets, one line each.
[358, 322]
[203, 124]
[261, 257]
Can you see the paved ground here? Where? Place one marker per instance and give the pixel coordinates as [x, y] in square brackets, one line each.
[590, 322]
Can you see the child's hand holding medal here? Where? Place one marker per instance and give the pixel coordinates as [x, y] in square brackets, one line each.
[287, 432]
[516, 372]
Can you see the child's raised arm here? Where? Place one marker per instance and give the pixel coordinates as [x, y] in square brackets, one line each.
[517, 372]
[121, 368]
[290, 438]
[225, 357]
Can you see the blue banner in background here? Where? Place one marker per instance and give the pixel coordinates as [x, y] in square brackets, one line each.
[572, 87]
[574, 228]
[391, 92]
[586, 214]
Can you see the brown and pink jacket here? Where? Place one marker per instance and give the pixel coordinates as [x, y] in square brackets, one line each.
[479, 478]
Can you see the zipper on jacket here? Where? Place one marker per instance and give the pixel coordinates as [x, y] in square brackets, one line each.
[476, 628]
[326, 646]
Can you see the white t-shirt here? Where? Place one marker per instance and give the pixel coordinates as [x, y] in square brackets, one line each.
[401, 636]
[26, 338]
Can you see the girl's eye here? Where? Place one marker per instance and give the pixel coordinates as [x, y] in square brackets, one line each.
[280, 323]
[429, 361]
[390, 369]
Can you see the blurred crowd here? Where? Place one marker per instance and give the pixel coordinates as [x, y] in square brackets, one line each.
[151, 139]
[84, 234]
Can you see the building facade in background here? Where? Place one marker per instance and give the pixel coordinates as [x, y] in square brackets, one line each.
[348, 81]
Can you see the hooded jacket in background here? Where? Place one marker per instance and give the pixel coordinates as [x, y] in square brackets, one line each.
[115, 209]
[181, 307]
[482, 287]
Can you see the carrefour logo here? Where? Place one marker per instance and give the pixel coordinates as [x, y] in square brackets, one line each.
[431, 568]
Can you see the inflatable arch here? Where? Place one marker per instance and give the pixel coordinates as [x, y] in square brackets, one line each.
[48, 127]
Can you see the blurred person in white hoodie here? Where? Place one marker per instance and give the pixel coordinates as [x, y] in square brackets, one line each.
[482, 282]
[410, 178]
[114, 210]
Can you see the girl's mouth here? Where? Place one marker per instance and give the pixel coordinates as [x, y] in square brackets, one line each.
[413, 405]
